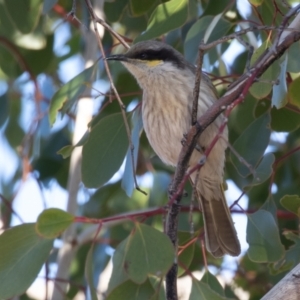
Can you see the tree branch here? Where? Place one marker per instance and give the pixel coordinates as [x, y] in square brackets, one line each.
[235, 93]
[287, 288]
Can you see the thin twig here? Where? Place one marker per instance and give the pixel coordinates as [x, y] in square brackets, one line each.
[235, 95]
[197, 85]
[95, 19]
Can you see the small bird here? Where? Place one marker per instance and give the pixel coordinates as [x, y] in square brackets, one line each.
[167, 80]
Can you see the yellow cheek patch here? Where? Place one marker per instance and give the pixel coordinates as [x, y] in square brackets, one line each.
[153, 63]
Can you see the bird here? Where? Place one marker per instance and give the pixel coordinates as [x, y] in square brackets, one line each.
[167, 80]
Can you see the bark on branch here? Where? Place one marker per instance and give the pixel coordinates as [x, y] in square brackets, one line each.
[235, 93]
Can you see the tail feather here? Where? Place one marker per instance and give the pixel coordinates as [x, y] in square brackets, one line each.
[220, 234]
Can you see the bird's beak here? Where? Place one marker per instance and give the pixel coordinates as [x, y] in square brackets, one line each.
[120, 57]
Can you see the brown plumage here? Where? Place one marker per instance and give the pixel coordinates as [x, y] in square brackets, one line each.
[167, 80]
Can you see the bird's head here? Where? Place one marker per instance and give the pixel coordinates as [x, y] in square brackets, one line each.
[150, 58]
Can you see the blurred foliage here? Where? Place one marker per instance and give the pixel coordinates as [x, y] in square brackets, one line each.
[265, 164]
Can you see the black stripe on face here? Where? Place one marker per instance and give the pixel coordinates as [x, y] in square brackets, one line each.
[160, 54]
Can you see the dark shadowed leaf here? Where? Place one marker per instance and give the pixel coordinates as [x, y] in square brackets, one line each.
[132, 291]
[22, 254]
[4, 108]
[114, 9]
[89, 273]
[291, 203]
[202, 291]
[139, 7]
[105, 150]
[294, 92]
[213, 283]
[24, 14]
[263, 238]
[166, 17]
[283, 120]
[217, 7]
[292, 255]
[186, 253]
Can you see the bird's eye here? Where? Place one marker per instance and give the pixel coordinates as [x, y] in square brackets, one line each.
[143, 56]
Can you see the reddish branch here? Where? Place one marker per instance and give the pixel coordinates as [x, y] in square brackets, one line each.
[278, 161]
[235, 94]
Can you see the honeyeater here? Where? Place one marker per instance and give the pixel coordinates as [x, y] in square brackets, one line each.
[167, 80]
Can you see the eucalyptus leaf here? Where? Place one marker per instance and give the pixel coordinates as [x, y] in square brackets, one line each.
[24, 14]
[104, 152]
[52, 222]
[263, 238]
[146, 251]
[22, 254]
[166, 17]
[263, 87]
[279, 99]
[291, 203]
[251, 145]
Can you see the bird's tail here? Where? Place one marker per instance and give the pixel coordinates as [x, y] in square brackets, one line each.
[220, 234]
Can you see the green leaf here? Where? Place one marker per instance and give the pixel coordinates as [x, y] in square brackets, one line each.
[67, 95]
[293, 64]
[119, 274]
[284, 120]
[140, 7]
[40, 59]
[52, 222]
[89, 273]
[128, 179]
[251, 144]
[104, 151]
[166, 17]
[201, 291]
[67, 150]
[146, 251]
[291, 203]
[213, 283]
[292, 255]
[22, 255]
[216, 7]
[263, 238]
[4, 108]
[294, 92]
[24, 14]
[114, 9]
[279, 99]
[132, 291]
[271, 207]
[263, 87]
[264, 169]
[197, 32]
